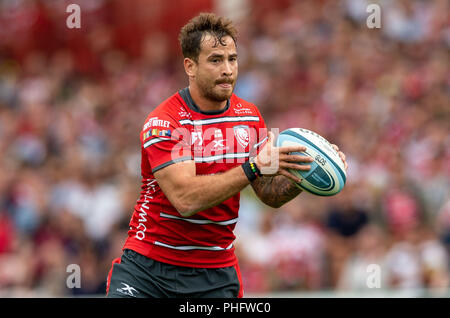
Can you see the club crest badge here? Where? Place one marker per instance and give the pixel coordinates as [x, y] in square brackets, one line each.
[242, 134]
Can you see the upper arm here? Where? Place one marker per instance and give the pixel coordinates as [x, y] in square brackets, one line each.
[173, 179]
[166, 148]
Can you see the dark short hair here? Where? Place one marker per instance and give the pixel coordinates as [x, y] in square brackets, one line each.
[192, 34]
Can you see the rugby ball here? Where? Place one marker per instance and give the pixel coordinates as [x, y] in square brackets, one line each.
[327, 175]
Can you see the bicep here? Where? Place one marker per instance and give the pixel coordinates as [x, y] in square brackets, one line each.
[173, 178]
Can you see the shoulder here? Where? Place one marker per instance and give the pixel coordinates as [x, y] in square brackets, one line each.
[167, 114]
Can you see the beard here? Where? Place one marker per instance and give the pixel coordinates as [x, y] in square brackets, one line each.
[214, 92]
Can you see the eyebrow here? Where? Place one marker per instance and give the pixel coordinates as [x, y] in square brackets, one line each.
[214, 55]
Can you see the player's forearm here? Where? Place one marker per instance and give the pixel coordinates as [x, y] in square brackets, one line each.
[203, 192]
[275, 191]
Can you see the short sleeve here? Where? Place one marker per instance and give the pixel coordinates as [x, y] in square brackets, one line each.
[165, 142]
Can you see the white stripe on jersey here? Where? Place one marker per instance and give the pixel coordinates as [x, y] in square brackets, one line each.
[197, 221]
[222, 156]
[154, 141]
[199, 122]
[193, 247]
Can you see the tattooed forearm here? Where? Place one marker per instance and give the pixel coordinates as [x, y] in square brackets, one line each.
[275, 190]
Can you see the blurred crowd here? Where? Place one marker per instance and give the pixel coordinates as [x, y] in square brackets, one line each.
[73, 101]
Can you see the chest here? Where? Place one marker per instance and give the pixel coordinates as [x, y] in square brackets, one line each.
[219, 144]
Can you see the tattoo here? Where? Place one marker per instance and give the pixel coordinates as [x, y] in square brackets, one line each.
[275, 190]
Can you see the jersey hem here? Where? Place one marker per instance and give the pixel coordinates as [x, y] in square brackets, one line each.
[157, 253]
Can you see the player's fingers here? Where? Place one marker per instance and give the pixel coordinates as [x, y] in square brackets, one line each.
[295, 158]
[342, 156]
[271, 137]
[288, 165]
[335, 147]
[289, 175]
[288, 149]
[345, 164]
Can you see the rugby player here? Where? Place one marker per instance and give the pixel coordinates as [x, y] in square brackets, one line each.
[200, 148]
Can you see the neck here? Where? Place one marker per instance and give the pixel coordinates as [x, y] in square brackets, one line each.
[203, 103]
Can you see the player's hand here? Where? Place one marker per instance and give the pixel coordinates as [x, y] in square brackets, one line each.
[273, 160]
[341, 155]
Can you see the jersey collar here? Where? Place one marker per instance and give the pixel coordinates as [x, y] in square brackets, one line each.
[186, 95]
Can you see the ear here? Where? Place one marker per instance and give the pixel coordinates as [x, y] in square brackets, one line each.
[190, 67]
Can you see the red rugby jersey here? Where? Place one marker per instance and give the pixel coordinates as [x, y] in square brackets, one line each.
[175, 131]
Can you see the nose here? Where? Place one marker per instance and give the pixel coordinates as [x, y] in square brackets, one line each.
[227, 69]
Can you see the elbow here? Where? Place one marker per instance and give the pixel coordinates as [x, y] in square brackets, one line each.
[180, 198]
[185, 210]
[272, 203]
[275, 205]
[184, 207]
